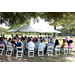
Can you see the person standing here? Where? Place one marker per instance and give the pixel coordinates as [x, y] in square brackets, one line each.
[25, 36]
[3, 36]
[12, 36]
[68, 39]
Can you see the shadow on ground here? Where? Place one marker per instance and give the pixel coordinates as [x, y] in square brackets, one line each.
[25, 58]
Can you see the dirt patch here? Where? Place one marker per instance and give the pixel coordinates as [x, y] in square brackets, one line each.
[45, 58]
[71, 58]
[4, 58]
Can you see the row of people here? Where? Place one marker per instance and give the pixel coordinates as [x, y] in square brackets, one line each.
[65, 43]
[45, 39]
[25, 41]
[19, 42]
[30, 43]
[50, 43]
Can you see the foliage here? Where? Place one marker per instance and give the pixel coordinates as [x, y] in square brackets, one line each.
[65, 32]
[66, 19]
[18, 25]
[4, 30]
[16, 19]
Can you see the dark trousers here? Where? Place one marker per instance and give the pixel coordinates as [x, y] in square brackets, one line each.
[68, 42]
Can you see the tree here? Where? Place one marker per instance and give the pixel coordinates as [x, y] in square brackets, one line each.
[56, 16]
[18, 25]
[4, 30]
[1, 21]
[69, 22]
[66, 19]
[14, 19]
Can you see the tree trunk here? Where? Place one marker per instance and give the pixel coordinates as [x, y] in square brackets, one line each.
[1, 26]
[54, 34]
[69, 33]
[1, 30]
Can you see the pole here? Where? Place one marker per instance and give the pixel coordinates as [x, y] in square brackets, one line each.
[54, 34]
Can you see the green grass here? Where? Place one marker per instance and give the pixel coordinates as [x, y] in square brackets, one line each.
[54, 58]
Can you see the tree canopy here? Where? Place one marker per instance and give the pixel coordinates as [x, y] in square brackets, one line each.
[15, 19]
[66, 19]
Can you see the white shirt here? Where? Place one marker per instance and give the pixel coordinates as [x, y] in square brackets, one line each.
[46, 39]
[9, 43]
[30, 44]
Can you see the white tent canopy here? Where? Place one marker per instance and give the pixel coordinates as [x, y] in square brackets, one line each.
[41, 27]
[25, 28]
[34, 28]
[44, 29]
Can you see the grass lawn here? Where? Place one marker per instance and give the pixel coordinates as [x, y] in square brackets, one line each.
[54, 58]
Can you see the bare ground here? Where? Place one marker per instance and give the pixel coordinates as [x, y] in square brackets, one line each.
[45, 58]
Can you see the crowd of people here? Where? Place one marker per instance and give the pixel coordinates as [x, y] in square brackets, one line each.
[66, 42]
[35, 42]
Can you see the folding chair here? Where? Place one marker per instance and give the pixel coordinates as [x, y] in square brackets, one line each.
[57, 50]
[49, 50]
[40, 51]
[30, 51]
[19, 52]
[2, 49]
[65, 49]
[70, 50]
[9, 50]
